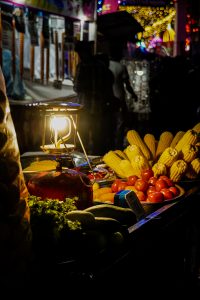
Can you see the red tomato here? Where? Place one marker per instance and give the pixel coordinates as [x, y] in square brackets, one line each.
[141, 185]
[147, 174]
[156, 197]
[132, 179]
[152, 180]
[167, 194]
[122, 185]
[161, 184]
[174, 190]
[141, 195]
[151, 189]
[164, 177]
[114, 186]
[167, 179]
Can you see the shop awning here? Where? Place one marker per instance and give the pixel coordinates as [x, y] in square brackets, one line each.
[118, 25]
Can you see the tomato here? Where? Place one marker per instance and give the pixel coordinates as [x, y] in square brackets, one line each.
[131, 188]
[141, 185]
[122, 185]
[151, 189]
[156, 197]
[167, 179]
[164, 177]
[174, 190]
[161, 184]
[132, 179]
[114, 186]
[141, 195]
[152, 180]
[167, 194]
[147, 174]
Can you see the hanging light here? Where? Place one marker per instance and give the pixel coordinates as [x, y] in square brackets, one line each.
[169, 34]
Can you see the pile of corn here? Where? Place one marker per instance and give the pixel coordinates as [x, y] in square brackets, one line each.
[176, 156]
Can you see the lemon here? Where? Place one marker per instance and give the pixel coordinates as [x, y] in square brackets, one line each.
[95, 186]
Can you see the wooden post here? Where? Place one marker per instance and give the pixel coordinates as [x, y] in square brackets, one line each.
[21, 53]
[63, 55]
[32, 62]
[47, 64]
[13, 48]
[1, 59]
[56, 55]
[41, 57]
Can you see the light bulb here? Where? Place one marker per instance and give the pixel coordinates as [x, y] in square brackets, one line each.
[58, 123]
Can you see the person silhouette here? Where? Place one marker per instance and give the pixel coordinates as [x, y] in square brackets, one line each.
[121, 84]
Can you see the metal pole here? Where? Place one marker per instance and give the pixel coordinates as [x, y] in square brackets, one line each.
[180, 21]
[95, 26]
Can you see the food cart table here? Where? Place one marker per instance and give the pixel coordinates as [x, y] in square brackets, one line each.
[162, 250]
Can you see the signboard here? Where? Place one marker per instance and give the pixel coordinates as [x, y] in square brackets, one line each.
[109, 6]
[78, 9]
[149, 2]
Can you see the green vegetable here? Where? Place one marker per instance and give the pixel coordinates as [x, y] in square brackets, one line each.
[48, 218]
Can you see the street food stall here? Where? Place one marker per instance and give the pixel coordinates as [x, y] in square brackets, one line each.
[119, 232]
[119, 222]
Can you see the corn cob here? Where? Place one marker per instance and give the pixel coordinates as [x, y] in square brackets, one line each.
[134, 138]
[139, 163]
[197, 127]
[177, 170]
[168, 157]
[121, 154]
[189, 152]
[126, 168]
[150, 141]
[159, 169]
[193, 169]
[196, 165]
[113, 161]
[177, 138]
[131, 151]
[190, 137]
[164, 141]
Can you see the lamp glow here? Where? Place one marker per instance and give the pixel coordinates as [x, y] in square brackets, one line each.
[58, 124]
[139, 72]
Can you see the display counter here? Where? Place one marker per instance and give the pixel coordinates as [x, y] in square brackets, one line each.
[161, 250]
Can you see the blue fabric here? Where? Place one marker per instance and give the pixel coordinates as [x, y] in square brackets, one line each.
[14, 86]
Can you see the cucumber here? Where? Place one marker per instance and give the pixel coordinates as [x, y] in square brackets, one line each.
[86, 219]
[124, 215]
[107, 224]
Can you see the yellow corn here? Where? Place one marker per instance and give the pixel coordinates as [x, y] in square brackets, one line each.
[150, 141]
[177, 138]
[164, 141]
[139, 163]
[134, 138]
[190, 137]
[121, 154]
[196, 165]
[189, 152]
[159, 169]
[168, 157]
[197, 127]
[131, 151]
[126, 168]
[113, 161]
[193, 170]
[177, 170]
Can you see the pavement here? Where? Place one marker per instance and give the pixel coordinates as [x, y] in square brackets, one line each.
[35, 91]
